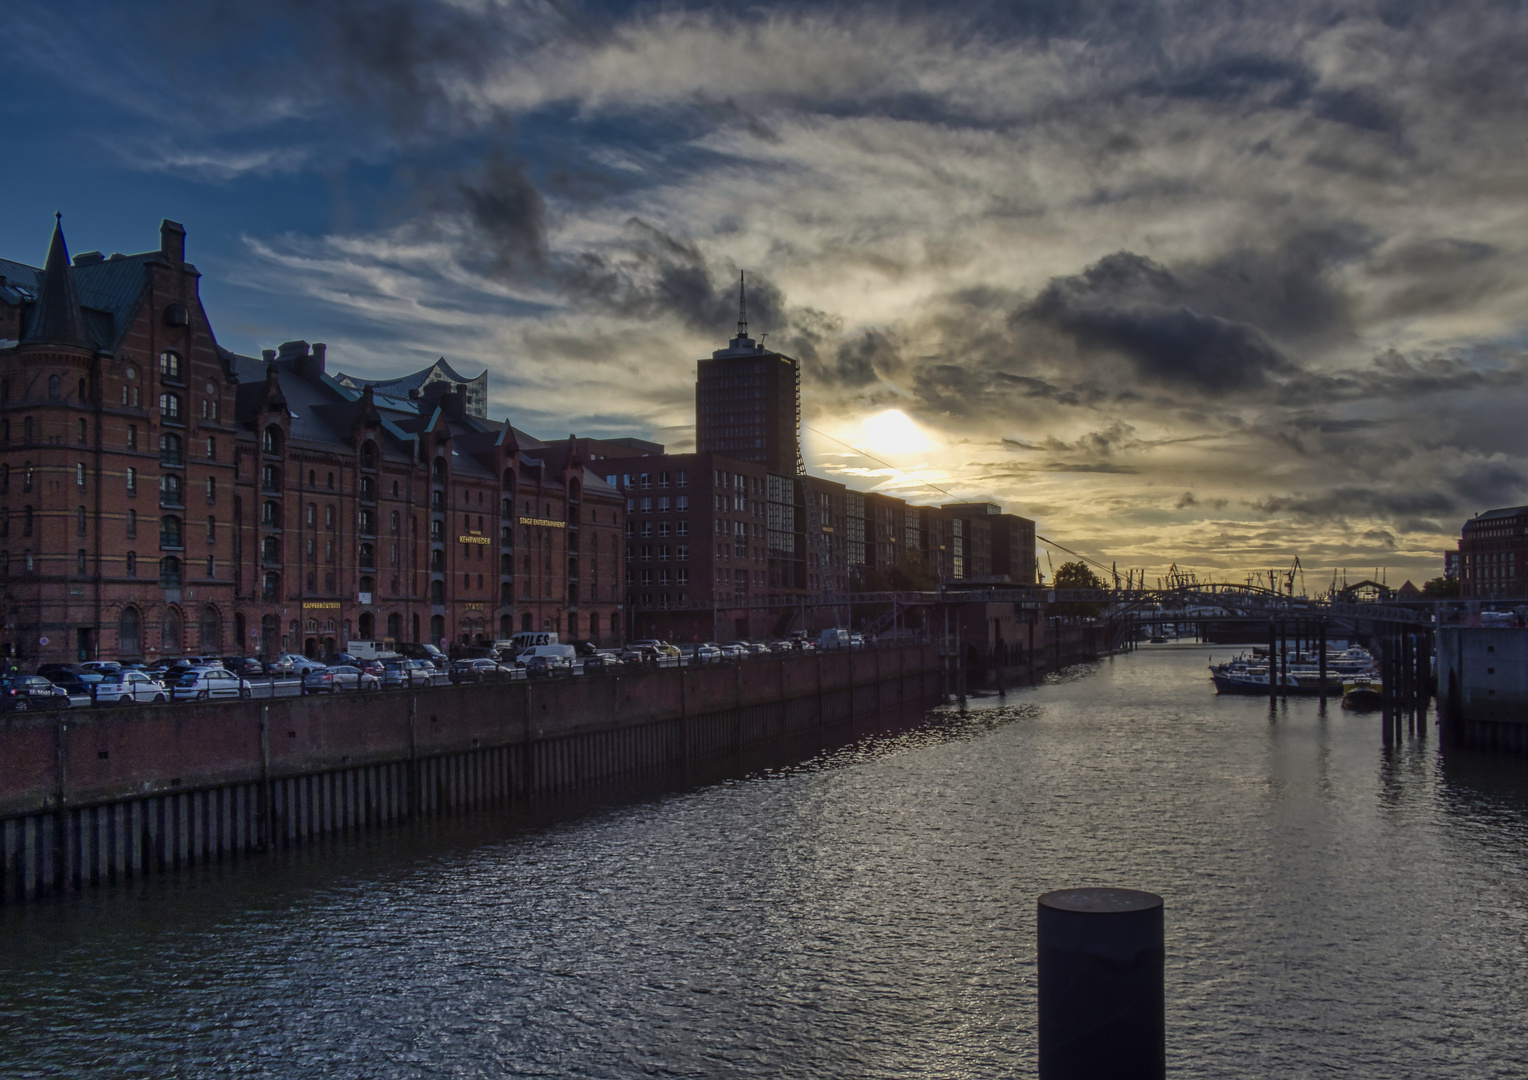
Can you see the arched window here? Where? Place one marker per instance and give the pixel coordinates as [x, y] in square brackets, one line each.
[329, 516]
[313, 514]
[169, 406]
[169, 573]
[129, 632]
[368, 489]
[55, 387]
[170, 535]
[170, 493]
[132, 524]
[84, 429]
[394, 626]
[270, 550]
[132, 564]
[437, 561]
[170, 449]
[270, 477]
[368, 455]
[270, 441]
[437, 592]
[270, 514]
[169, 365]
[437, 627]
[366, 624]
[209, 631]
[393, 523]
[368, 558]
[79, 521]
[171, 632]
[272, 588]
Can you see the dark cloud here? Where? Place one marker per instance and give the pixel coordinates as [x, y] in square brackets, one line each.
[1128, 305]
[505, 218]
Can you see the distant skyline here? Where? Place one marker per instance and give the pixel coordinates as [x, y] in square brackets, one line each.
[1193, 281]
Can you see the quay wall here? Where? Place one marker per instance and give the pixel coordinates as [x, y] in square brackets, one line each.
[91, 797]
[1483, 686]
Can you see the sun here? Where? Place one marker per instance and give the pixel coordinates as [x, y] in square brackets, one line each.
[892, 432]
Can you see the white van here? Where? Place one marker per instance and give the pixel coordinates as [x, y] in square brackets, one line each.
[834, 639]
[560, 656]
[528, 639]
[371, 650]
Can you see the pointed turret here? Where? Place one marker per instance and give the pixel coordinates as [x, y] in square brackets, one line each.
[56, 318]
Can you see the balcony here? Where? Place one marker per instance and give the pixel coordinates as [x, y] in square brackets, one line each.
[172, 458]
[172, 500]
[171, 542]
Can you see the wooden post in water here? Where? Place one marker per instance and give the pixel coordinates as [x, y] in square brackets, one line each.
[1321, 649]
[1385, 689]
[1273, 662]
[1424, 678]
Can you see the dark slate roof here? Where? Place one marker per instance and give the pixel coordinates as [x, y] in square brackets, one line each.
[109, 292]
[400, 386]
[55, 317]
[1504, 512]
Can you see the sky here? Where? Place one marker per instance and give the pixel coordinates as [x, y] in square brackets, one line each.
[1216, 284]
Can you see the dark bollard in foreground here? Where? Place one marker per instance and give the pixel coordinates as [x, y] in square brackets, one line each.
[1102, 1005]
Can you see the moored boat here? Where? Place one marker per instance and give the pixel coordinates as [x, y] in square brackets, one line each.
[1362, 695]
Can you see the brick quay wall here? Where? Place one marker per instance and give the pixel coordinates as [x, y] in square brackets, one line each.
[91, 797]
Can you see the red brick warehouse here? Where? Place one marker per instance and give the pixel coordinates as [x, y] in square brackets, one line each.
[160, 494]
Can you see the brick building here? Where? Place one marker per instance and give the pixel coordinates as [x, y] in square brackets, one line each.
[160, 494]
[1493, 554]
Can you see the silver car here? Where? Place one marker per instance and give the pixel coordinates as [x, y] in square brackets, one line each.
[205, 683]
[129, 688]
[338, 677]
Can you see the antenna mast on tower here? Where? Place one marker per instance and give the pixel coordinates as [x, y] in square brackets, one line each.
[742, 308]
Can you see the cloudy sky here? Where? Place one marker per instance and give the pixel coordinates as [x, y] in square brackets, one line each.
[1214, 283]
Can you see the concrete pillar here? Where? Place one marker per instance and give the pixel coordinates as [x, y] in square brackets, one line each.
[1102, 1004]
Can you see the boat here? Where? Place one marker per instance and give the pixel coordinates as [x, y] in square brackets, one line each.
[1158, 640]
[1362, 695]
[1301, 676]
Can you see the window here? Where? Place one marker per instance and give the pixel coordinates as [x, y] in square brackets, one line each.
[682, 576]
[312, 514]
[132, 524]
[682, 552]
[84, 433]
[212, 530]
[212, 448]
[270, 477]
[270, 549]
[26, 521]
[170, 449]
[329, 516]
[26, 478]
[79, 522]
[682, 528]
[55, 387]
[270, 441]
[28, 430]
[132, 564]
[663, 479]
[169, 577]
[79, 475]
[169, 365]
[129, 628]
[132, 481]
[132, 436]
[169, 532]
[169, 406]
[169, 490]
[79, 561]
[212, 489]
[270, 515]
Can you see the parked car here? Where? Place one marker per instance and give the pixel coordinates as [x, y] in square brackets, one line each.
[129, 688]
[19, 693]
[205, 683]
[339, 677]
[637, 653]
[101, 667]
[481, 669]
[428, 653]
[399, 673]
[662, 648]
[244, 666]
[370, 667]
[542, 665]
[75, 683]
[602, 663]
[47, 671]
[734, 650]
[292, 664]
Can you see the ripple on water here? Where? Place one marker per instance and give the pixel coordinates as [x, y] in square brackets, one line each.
[1331, 908]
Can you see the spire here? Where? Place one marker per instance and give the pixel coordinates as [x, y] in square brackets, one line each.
[56, 317]
[742, 308]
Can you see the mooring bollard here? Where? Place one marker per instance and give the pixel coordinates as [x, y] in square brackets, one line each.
[1102, 1003]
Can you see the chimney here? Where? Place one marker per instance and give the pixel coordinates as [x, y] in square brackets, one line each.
[315, 365]
[267, 355]
[172, 241]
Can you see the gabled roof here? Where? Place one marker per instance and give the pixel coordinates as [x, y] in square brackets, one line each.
[400, 386]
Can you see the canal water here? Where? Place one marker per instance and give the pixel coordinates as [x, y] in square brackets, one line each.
[1333, 908]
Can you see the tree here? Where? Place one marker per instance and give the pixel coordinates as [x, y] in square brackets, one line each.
[1441, 587]
[1076, 575]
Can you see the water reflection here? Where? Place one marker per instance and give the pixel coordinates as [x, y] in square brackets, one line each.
[1332, 906]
